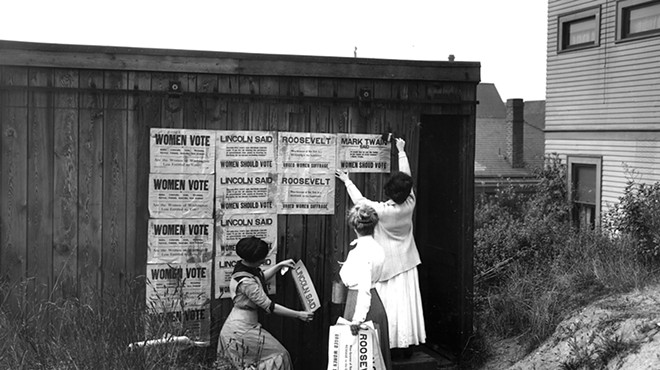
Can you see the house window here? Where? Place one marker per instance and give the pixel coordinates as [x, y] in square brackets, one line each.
[584, 177]
[637, 18]
[579, 30]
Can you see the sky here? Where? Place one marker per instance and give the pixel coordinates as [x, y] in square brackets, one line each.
[508, 37]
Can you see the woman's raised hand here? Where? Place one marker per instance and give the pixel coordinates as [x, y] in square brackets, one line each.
[400, 144]
[341, 175]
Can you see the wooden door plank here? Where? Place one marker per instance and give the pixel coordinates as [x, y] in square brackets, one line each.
[137, 176]
[40, 184]
[114, 183]
[65, 197]
[14, 179]
[90, 185]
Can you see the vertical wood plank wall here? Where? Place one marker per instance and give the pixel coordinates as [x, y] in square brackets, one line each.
[75, 165]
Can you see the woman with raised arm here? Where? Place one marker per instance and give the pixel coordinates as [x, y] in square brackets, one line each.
[398, 285]
[242, 339]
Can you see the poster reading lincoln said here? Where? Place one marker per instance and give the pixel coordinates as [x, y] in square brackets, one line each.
[246, 172]
[181, 195]
[234, 227]
[180, 240]
[306, 164]
[182, 151]
[363, 153]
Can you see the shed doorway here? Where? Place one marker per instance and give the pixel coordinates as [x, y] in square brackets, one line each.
[443, 229]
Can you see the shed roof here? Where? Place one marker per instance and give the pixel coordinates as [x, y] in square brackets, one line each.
[192, 61]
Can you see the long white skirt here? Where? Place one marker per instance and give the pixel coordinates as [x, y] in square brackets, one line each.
[403, 304]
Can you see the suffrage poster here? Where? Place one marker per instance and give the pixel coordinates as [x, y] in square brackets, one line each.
[246, 173]
[306, 168]
[181, 195]
[225, 266]
[182, 292]
[363, 153]
[348, 351]
[180, 240]
[182, 151]
[241, 151]
[245, 192]
[305, 287]
[232, 228]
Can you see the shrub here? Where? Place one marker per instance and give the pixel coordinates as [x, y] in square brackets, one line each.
[532, 267]
[637, 215]
[524, 225]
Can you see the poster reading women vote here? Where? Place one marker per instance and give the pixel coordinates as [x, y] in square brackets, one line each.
[363, 153]
[180, 240]
[182, 151]
[181, 195]
[182, 291]
[234, 227]
[246, 173]
[306, 167]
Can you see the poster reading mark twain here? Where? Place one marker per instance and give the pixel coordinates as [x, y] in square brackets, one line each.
[306, 165]
[180, 240]
[181, 195]
[363, 153]
[182, 292]
[182, 151]
[232, 228]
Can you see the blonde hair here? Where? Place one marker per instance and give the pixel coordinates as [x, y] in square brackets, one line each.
[363, 218]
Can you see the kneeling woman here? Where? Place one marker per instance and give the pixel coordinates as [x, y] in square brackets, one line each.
[242, 339]
[360, 272]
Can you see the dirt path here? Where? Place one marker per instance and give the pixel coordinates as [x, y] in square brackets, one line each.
[617, 332]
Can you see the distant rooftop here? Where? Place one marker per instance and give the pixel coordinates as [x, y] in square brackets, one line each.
[490, 103]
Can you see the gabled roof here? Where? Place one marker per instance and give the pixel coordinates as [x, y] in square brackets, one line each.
[490, 136]
[490, 103]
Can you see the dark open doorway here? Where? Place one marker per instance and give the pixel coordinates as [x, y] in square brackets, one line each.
[444, 229]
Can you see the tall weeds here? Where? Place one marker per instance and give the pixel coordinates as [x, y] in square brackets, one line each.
[532, 267]
[71, 334]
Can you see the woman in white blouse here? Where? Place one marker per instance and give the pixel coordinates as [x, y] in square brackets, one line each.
[360, 272]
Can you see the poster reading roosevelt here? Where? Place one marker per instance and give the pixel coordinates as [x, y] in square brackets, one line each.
[306, 165]
[363, 153]
[180, 240]
[182, 151]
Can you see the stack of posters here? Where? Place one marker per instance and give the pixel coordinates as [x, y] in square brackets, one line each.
[181, 228]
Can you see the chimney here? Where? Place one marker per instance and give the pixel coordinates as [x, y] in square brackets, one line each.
[514, 132]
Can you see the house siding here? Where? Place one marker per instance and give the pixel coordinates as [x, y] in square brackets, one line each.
[614, 86]
[605, 101]
[622, 161]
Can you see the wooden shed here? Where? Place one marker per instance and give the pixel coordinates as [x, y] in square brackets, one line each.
[75, 123]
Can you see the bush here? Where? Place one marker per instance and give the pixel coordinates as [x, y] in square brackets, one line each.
[524, 225]
[637, 215]
[532, 267]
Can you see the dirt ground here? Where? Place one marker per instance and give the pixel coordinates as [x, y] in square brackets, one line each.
[616, 332]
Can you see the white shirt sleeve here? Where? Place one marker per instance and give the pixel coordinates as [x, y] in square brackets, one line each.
[356, 275]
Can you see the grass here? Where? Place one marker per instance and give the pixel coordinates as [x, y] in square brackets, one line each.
[71, 334]
[531, 300]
